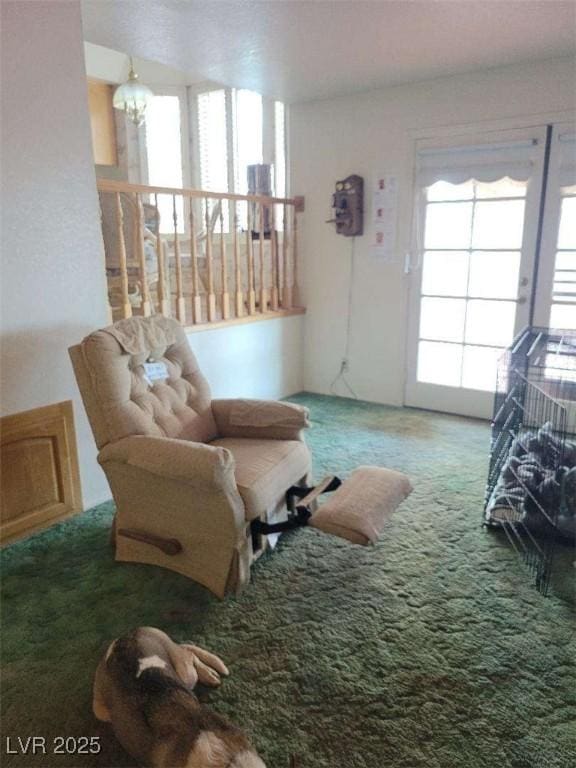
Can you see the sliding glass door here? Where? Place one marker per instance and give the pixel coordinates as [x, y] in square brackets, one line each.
[476, 229]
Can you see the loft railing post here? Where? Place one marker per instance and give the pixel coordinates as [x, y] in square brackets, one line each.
[250, 260]
[295, 286]
[196, 299]
[239, 295]
[263, 291]
[210, 266]
[286, 285]
[163, 295]
[180, 303]
[139, 235]
[126, 306]
[274, 260]
[109, 308]
[225, 296]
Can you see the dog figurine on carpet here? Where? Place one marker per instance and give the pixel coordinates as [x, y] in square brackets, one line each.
[143, 687]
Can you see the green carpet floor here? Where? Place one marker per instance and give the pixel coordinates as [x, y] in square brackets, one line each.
[431, 649]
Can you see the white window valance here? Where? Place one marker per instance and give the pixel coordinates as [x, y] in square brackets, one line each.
[566, 146]
[482, 162]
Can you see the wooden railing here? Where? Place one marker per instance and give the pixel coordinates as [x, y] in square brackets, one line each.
[203, 257]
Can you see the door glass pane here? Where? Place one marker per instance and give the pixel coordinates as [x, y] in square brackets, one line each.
[567, 233]
[442, 319]
[479, 367]
[445, 273]
[498, 224]
[563, 316]
[490, 322]
[567, 286]
[505, 187]
[443, 190]
[494, 275]
[565, 276]
[448, 225]
[439, 363]
[566, 260]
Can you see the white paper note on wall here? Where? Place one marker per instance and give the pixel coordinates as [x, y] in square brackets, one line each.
[384, 215]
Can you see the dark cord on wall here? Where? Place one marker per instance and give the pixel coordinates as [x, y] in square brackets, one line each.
[344, 365]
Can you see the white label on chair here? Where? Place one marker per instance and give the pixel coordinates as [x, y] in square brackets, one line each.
[155, 372]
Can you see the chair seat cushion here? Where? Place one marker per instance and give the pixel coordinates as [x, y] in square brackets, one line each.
[265, 469]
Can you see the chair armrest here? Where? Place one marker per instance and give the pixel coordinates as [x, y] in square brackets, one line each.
[268, 419]
[188, 462]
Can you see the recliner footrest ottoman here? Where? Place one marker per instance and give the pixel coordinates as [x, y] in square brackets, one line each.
[363, 504]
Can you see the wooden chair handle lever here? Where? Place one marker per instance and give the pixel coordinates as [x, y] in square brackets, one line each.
[168, 546]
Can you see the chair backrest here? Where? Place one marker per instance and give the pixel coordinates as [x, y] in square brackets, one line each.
[120, 393]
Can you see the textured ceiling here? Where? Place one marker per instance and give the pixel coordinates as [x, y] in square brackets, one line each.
[309, 49]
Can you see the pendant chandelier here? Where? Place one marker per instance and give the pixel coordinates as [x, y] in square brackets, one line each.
[132, 97]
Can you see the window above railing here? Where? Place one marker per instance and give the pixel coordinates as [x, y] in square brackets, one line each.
[208, 138]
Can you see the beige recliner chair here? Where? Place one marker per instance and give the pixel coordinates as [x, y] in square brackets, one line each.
[188, 474]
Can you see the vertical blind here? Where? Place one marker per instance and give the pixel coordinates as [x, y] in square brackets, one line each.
[213, 147]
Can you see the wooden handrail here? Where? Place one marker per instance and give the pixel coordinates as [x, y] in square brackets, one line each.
[111, 185]
[193, 259]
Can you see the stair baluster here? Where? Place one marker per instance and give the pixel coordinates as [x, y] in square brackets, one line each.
[126, 306]
[180, 303]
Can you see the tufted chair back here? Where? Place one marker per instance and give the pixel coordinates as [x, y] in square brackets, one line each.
[121, 395]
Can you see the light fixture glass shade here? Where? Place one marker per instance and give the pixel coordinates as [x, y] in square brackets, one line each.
[132, 98]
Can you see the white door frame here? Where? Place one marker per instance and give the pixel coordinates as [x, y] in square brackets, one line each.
[549, 238]
[459, 400]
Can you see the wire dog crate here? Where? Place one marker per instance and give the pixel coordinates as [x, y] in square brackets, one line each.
[531, 488]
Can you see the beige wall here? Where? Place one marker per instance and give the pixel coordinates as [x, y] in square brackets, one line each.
[53, 285]
[113, 67]
[370, 133]
[262, 359]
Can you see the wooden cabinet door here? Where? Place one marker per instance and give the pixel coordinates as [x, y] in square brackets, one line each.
[102, 123]
[40, 481]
